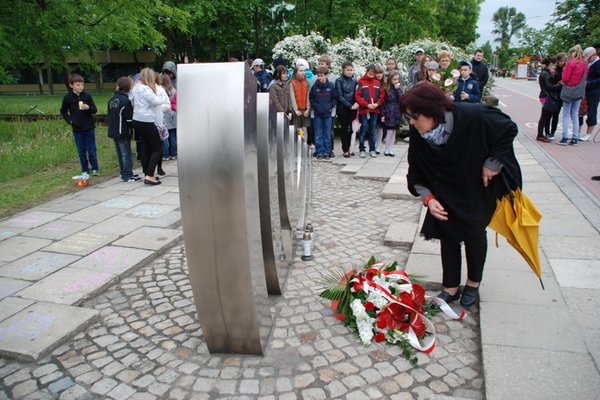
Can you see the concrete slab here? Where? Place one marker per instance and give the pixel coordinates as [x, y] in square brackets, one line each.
[396, 191]
[583, 303]
[149, 211]
[427, 267]
[151, 191]
[99, 194]
[10, 286]
[68, 286]
[378, 169]
[82, 243]
[580, 274]
[57, 229]
[400, 234]
[422, 246]
[38, 329]
[170, 180]
[6, 232]
[93, 214]
[124, 201]
[351, 168]
[19, 246]
[31, 219]
[150, 238]
[114, 260]
[12, 305]
[67, 204]
[571, 247]
[518, 325]
[520, 287]
[538, 375]
[118, 225]
[167, 198]
[36, 265]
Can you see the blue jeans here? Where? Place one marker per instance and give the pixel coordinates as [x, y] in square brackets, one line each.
[369, 124]
[86, 147]
[322, 126]
[170, 144]
[123, 147]
[571, 112]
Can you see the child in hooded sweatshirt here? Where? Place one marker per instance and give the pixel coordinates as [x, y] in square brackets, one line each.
[369, 96]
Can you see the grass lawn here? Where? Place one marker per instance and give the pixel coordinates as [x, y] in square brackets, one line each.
[21, 103]
[38, 160]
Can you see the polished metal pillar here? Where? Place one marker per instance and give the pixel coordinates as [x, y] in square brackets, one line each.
[273, 237]
[218, 184]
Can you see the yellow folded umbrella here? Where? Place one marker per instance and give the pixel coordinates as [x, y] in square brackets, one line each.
[517, 219]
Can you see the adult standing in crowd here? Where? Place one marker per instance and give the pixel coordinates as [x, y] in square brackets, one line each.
[455, 153]
[263, 78]
[549, 97]
[145, 100]
[572, 92]
[480, 69]
[170, 69]
[592, 90]
[415, 69]
[561, 60]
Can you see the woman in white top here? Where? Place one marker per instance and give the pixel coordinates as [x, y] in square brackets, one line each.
[145, 100]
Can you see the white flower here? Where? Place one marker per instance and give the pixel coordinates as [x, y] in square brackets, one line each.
[377, 299]
[364, 323]
[448, 82]
[455, 73]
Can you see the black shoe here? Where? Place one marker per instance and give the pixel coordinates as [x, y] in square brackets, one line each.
[161, 172]
[149, 182]
[596, 178]
[447, 297]
[470, 296]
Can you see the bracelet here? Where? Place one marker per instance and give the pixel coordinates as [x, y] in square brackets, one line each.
[427, 199]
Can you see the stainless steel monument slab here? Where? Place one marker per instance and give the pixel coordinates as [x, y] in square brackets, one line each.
[218, 181]
[273, 236]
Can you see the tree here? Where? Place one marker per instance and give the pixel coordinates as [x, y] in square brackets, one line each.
[575, 22]
[457, 20]
[535, 42]
[508, 23]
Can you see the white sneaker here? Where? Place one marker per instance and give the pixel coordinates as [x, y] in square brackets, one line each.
[85, 176]
[585, 138]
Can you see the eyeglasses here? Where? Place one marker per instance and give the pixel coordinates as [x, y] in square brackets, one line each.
[411, 115]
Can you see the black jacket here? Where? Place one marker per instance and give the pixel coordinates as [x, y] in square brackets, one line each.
[344, 91]
[453, 171]
[548, 87]
[120, 115]
[81, 120]
[481, 73]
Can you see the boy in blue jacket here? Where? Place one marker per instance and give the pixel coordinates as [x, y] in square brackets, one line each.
[468, 88]
[77, 109]
[120, 115]
[322, 102]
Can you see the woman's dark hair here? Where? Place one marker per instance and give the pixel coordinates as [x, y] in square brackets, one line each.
[549, 60]
[280, 69]
[426, 99]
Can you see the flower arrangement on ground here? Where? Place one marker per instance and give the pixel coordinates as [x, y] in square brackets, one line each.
[382, 304]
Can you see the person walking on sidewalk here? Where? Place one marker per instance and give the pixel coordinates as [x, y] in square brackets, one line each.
[549, 97]
[592, 90]
[455, 153]
[573, 79]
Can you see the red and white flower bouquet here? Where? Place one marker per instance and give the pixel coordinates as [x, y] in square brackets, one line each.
[382, 304]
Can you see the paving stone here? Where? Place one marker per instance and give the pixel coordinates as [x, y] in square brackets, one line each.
[59, 386]
[150, 238]
[9, 286]
[39, 328]
[58, 229]
[150, 211]
[94, 214]
[36, 265]
[124, 201]
[68, 286]
[16, 247]
[7, 232]
[24, 388]
[114, 260]
[82, 243]
[400, 234]
[76, 392]
[121, 392]
[31, 219]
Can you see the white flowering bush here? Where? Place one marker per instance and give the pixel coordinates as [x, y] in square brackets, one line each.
[308, 47]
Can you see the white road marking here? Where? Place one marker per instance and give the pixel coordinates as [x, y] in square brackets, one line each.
[502, 104]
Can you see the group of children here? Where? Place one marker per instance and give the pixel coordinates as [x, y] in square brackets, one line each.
[149, 105]
[372, 100]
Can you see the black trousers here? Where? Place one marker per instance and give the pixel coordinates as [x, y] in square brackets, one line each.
[475, 252]
[544, 123]
[554, 122]
[150, 146]
[345, 116]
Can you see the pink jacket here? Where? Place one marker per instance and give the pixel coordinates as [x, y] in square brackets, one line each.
[574, 72]
[174, 102]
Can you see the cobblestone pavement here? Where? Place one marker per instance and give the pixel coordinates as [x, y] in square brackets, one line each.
[148, 344]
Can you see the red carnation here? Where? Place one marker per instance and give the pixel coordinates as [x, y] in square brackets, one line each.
[369, 306]
[380, 337]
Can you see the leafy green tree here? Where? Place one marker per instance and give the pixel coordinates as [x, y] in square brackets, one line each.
[457, 20]
[508, 23]
[487, 52]
[535, 42]
[575, 22]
